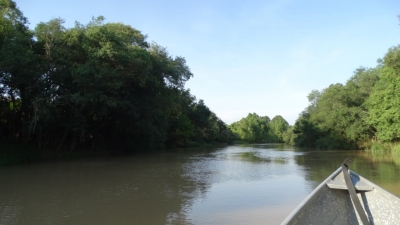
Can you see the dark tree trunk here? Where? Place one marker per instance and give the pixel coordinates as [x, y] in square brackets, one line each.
[40, 137]
[73, 142]
[62, 140]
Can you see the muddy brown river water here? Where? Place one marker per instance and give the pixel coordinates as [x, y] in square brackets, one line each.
[248, 184]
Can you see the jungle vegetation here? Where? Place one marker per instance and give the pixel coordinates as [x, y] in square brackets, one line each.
[259, 129]
[101, 87]
[363, 113]
[95, 87]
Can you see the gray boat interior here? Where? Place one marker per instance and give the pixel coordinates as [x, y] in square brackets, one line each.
[330, 203]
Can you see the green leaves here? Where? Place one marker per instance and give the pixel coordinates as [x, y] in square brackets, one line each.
[19, 69]
[337, 116]
[258, 129]
[384, 103]
[278, 126]
[99, 84]
[351, 115]
[253, 128]
[174, 72]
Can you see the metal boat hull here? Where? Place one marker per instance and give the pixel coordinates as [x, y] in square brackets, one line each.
[330, 203]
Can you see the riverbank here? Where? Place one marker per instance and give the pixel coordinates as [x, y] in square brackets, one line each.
[16, 153]
[12, 153]
[390, 148]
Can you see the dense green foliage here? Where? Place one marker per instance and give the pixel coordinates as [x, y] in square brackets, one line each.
[363, 113]
[253, 128]
[384, 103]
[278, 126]
[103, 87]
[99, 86]
[258, 129]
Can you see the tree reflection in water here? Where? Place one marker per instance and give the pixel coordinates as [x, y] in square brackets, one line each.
[230, 185]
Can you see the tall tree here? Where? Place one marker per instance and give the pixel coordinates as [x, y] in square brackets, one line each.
[253, 128]
[18, 68]
[339, 113]
[95, 86]
[384, 103]
[278, 125]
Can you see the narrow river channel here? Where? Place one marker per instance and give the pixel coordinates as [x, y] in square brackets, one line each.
[249, 184]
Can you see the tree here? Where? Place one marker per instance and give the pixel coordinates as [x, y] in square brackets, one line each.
[337, 114]
[305, 132]
[107, 85]
[18, 69]
[288, 136]
[384, 102]
[181, 130]
[98, 86]
[278, 125]
[253, 128]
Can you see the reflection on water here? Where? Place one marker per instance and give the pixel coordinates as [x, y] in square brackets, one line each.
[383, 170]
[253, 184]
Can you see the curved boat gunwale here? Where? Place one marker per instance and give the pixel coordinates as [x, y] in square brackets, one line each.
[389, 200]
[292, 215]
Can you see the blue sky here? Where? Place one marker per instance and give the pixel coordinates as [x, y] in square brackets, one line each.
[250, 56]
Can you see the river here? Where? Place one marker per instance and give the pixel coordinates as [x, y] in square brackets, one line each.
[247, 184]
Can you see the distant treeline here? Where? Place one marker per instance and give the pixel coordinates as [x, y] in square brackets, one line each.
[364, 113]
[259, 129]
[103, 87]
[99, 86]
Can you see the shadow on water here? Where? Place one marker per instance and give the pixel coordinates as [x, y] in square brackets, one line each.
[228, 185]
[137, 190]
[382, 169]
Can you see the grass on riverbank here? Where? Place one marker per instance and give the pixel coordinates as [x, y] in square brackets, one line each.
[381, 149]
[392, 147]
